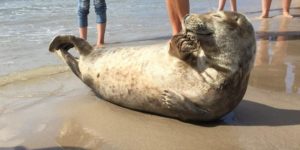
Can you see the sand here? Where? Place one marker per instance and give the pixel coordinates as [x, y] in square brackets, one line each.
[58, 111]
[61, 112]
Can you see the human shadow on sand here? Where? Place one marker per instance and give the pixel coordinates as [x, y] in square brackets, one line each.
[249, 113]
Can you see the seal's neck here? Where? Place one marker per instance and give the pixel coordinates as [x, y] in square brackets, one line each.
[223, 62]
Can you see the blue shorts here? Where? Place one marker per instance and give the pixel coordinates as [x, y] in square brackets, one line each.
[83, 11]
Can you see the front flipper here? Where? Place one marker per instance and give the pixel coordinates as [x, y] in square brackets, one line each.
[181, 46]
[66, 42]
[181, 107]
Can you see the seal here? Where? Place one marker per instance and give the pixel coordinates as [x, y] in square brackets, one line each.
[201, 75]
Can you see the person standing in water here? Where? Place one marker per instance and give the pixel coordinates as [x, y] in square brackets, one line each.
[177, 9]
[100, 10]
[222, 4]
[266, 4]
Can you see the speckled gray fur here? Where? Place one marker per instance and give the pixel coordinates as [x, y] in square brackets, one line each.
[201, 75]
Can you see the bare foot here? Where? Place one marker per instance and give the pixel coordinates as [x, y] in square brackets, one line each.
[286, 14]
[98, 46]
[263, 16]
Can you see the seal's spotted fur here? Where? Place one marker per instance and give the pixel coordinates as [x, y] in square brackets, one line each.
[201, 75]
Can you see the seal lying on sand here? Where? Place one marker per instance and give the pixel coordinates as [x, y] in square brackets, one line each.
[201, 76]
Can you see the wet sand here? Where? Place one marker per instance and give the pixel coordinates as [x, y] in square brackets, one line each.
[59, 112]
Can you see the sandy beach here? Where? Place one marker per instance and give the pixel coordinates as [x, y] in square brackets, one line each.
[54, 110]
[59, 112]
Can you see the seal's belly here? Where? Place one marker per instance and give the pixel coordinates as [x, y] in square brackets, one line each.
[141, 76]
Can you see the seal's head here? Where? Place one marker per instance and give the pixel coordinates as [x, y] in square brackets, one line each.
[221, 47]
[224, 37]
[225, 30]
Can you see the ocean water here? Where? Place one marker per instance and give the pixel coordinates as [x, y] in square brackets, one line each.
[27, 27]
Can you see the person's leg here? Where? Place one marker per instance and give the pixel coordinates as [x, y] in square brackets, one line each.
[221, 5]
[177, 9]
[173, 16]
[286, 8]
[83, 11]
[101, 33]
[233, 5]
[183, 7]
[266, 4]
[83, 32]
[100, 9]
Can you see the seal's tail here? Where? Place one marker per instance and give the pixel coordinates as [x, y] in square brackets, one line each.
[61, 45]
[66, 42]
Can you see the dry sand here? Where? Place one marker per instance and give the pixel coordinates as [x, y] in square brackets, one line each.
[59, 112]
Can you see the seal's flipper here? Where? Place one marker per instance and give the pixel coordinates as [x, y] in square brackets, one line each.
[68, 41]
[61, 45]
[181, 107]
[71, 61]
[182, 47]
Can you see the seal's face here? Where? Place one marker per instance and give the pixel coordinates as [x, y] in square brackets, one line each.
[217, 28]
[223, 37]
